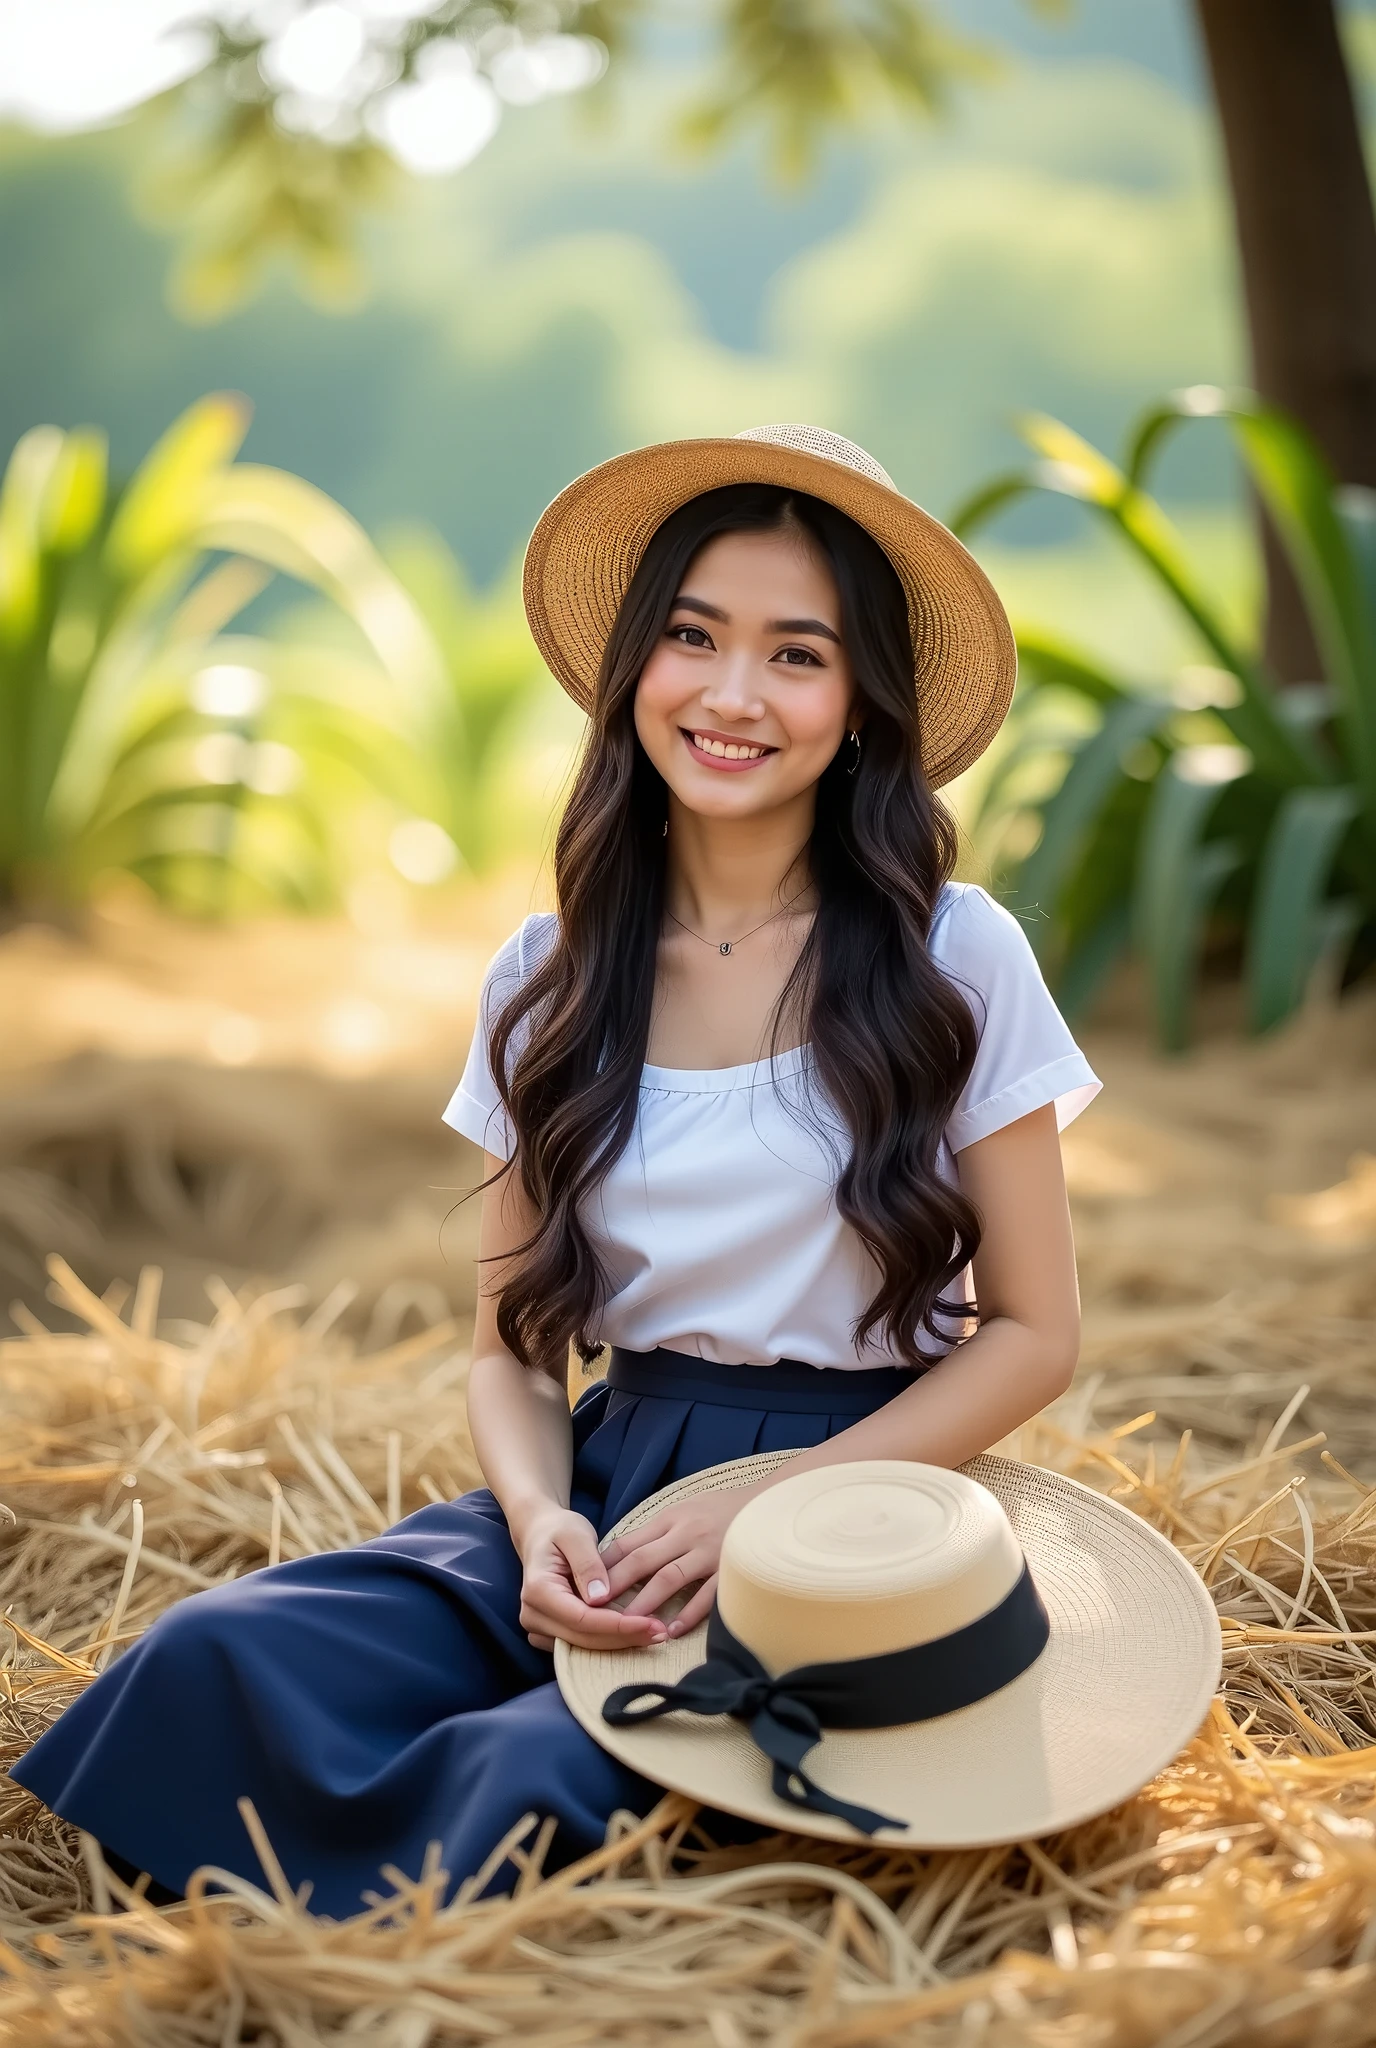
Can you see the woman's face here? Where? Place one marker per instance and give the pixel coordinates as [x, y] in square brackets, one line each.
[748, 695]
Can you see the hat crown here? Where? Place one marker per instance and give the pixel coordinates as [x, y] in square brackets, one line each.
[858, 1560]
[819, 441]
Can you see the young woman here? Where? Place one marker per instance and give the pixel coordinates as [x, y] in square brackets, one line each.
[769, 1108]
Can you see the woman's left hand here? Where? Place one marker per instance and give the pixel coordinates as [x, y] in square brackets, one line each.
[676, 1549]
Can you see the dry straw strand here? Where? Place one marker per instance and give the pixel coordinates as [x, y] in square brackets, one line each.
[1232, 1902]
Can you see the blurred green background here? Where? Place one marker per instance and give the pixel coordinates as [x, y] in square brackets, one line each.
[225, 712]
[1059, 239]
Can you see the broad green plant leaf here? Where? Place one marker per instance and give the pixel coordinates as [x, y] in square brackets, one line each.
[1051, 660]
[113, 750]
[1288, 923]
[75, 495]
[29, 478]
[1074, 468]
[1304, 820]
[274, 517]
[1067, 819]
[1299, 491]
[1356, 510]
[268, 517]
[1160, 421]
[1328, 534]
[161, 505]
[1179, 874]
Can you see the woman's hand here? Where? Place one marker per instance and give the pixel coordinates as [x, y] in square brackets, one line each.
[676, 1549]
[565, 1590]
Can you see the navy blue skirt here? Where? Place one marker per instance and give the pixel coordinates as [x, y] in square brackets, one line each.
[370, 1701]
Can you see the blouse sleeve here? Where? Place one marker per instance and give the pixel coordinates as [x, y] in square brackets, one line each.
[475, 1108]
[1027, 1057]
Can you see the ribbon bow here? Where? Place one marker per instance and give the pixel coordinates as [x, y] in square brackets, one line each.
[782, 1714]
[786, 1715]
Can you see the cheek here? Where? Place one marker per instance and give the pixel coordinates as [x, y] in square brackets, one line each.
[814, 714]
[662, 690]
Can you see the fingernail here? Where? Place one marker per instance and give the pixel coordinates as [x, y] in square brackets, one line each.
[597, 1589]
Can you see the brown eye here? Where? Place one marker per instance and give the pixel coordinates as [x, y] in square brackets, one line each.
[690, 636]
[798, 657]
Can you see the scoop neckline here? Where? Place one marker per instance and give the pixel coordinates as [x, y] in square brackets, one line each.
[715, 1080]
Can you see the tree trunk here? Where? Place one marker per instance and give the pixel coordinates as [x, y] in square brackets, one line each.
[1307, 239]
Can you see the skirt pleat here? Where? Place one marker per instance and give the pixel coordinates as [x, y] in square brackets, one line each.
[373, 1700]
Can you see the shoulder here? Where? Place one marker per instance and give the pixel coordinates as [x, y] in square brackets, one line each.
[975, 939]
[517, 956]
[1027, 1056]
[533, 939]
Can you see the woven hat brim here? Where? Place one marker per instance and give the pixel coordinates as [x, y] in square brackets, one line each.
[1124, 1683]
[589, 542]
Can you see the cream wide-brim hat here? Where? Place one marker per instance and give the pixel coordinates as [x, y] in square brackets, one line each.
[589, 543]
[1125, 1680]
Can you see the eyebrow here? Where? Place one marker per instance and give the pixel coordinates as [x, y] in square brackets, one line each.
[817, 627]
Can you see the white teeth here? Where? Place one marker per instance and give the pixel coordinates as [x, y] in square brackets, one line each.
[727, 750]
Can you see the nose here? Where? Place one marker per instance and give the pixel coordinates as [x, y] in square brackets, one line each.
[733, 691]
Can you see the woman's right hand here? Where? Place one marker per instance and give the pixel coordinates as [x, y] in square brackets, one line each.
[564, 1589]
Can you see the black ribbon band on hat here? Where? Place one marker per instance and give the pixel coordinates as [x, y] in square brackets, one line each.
[787, 1714]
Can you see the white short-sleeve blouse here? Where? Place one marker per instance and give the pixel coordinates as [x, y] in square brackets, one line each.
[718, 1227]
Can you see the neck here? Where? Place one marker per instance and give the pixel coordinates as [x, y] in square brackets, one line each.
[722, 872]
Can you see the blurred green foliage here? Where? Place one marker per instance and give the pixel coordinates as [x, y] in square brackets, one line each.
[257, 174]
[1146, 818]
[136, 730]
[801, 73]
[576, 291]
[493, 675]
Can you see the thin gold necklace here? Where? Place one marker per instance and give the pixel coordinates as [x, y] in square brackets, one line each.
[725, 946]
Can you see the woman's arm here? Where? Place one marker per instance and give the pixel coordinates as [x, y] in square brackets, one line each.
[1023, 1354]
[523, 1435]
[1021, 1357]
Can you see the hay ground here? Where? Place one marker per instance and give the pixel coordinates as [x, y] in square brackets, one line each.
[1226, 1213]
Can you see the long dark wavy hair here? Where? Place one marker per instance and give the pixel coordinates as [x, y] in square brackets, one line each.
[892, 1038]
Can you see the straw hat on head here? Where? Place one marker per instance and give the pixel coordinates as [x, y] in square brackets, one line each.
[938, 1659]
[589, 543]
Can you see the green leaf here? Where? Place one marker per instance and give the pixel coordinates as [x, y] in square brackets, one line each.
[1154, 427]
[163, 500]
[28, 476]
[1066, 819]
[1073, 468]
[1299, 491]
[1286, 931]
[1329, 538]
[981, 505]
[1179, 874]
[75, 496]
[1053, 662]
[1356, 511]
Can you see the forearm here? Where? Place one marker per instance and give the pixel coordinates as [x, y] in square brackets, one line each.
[1024, 1352]
[1005, 1374]
[523, 1435]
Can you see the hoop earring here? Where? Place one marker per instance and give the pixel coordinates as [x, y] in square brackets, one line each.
[854, 739]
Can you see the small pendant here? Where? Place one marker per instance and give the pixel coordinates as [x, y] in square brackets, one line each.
[725, 946]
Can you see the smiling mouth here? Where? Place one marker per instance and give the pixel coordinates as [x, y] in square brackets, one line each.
[714, 751]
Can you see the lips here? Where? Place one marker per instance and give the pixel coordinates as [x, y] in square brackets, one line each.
[722, 752]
